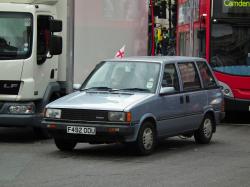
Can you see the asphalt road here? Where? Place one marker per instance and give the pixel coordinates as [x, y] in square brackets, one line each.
[28, 162]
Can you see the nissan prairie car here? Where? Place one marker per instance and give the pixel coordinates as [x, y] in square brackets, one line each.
[139, 100]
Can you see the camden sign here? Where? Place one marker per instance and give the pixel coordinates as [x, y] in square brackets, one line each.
[238, 8]
[236, 3]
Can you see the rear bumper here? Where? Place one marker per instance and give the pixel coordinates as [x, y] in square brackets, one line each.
[239, 105]
[124, 133]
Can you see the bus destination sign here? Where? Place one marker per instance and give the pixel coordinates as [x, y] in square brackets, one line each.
[236, 7]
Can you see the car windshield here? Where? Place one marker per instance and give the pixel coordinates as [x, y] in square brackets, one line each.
[15, 35]
[230, 49]
[124, 76]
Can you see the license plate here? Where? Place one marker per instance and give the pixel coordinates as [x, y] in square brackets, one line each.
[81, 130]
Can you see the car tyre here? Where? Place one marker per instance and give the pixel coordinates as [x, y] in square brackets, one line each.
[146, 139]
[65, 145]
[204, 134]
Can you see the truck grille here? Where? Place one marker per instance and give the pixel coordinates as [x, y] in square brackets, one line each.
[84, 115]
[9, 87]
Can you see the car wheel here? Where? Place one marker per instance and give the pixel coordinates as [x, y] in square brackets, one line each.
[65, 145]
[204, 134]
[146, 140]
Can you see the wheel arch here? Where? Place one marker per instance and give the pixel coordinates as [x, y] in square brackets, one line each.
[150, 118]
[52, 91]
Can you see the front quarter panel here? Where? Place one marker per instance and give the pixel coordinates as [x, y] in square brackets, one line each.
[147, 109]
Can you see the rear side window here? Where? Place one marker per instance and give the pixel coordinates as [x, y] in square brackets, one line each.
[189, 76]
[206, 75]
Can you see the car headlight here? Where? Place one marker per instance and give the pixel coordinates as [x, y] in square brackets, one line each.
[53, 113]
[119, 116]
[22, 109]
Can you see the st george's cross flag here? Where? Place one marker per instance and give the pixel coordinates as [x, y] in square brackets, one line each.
[121, 52]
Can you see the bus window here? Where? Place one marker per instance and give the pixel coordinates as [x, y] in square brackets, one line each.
[184, 42]
[201, 35]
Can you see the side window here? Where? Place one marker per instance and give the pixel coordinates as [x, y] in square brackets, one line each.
[170, 78]
[189, 76]
[206, 75]
[43, 38]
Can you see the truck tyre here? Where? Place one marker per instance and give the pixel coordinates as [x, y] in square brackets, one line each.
[65, 145]
[204, 134]
[146, 140]
[41, 133]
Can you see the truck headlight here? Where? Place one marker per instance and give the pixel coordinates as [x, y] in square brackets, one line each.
[53, 113]
[22, 109]
[119, 116]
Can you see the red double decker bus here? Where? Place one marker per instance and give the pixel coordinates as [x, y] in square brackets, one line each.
[219, 30]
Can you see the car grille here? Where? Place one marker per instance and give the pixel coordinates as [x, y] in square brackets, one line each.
[84, 115]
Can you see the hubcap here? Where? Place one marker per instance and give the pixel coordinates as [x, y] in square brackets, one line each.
[148, 138]
[207, 128]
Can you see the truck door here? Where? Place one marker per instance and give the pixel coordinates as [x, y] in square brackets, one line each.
[45, 67]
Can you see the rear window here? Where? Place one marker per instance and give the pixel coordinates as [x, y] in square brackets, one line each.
[189, 76]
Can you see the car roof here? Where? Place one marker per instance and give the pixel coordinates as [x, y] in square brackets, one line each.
[158, 59]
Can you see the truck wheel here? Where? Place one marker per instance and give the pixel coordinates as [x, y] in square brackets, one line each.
[65, 145]
[204, 134]
[41, 133]
[146, 140]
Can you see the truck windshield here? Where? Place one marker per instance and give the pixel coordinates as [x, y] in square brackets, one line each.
[124, 76]
[230, 49]
[15, 35]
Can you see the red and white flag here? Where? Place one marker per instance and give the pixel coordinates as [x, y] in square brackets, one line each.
[121, 52]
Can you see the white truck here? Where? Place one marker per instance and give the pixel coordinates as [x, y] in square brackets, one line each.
[47, 45]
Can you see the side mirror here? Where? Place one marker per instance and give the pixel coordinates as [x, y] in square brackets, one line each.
[55, 25]
[55, 47]
[167, 90]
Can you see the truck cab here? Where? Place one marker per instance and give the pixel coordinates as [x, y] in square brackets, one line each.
[28, 62]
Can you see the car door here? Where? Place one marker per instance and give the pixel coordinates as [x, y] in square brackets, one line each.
[195, 98]
[170, 105]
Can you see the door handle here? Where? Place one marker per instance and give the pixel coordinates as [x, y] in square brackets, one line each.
[181, 99]
[187, 99]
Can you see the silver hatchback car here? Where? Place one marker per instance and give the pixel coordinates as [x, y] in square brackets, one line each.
[139, 100]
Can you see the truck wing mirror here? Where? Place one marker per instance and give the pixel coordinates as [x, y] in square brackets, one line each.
[55, 45]
[55, 25]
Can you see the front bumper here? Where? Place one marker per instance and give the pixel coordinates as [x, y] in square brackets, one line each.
[123, 133]
[17, 120]
[9, 120]
[239, 105]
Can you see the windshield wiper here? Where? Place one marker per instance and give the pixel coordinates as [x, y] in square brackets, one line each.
[101, 88]
[135, 89]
